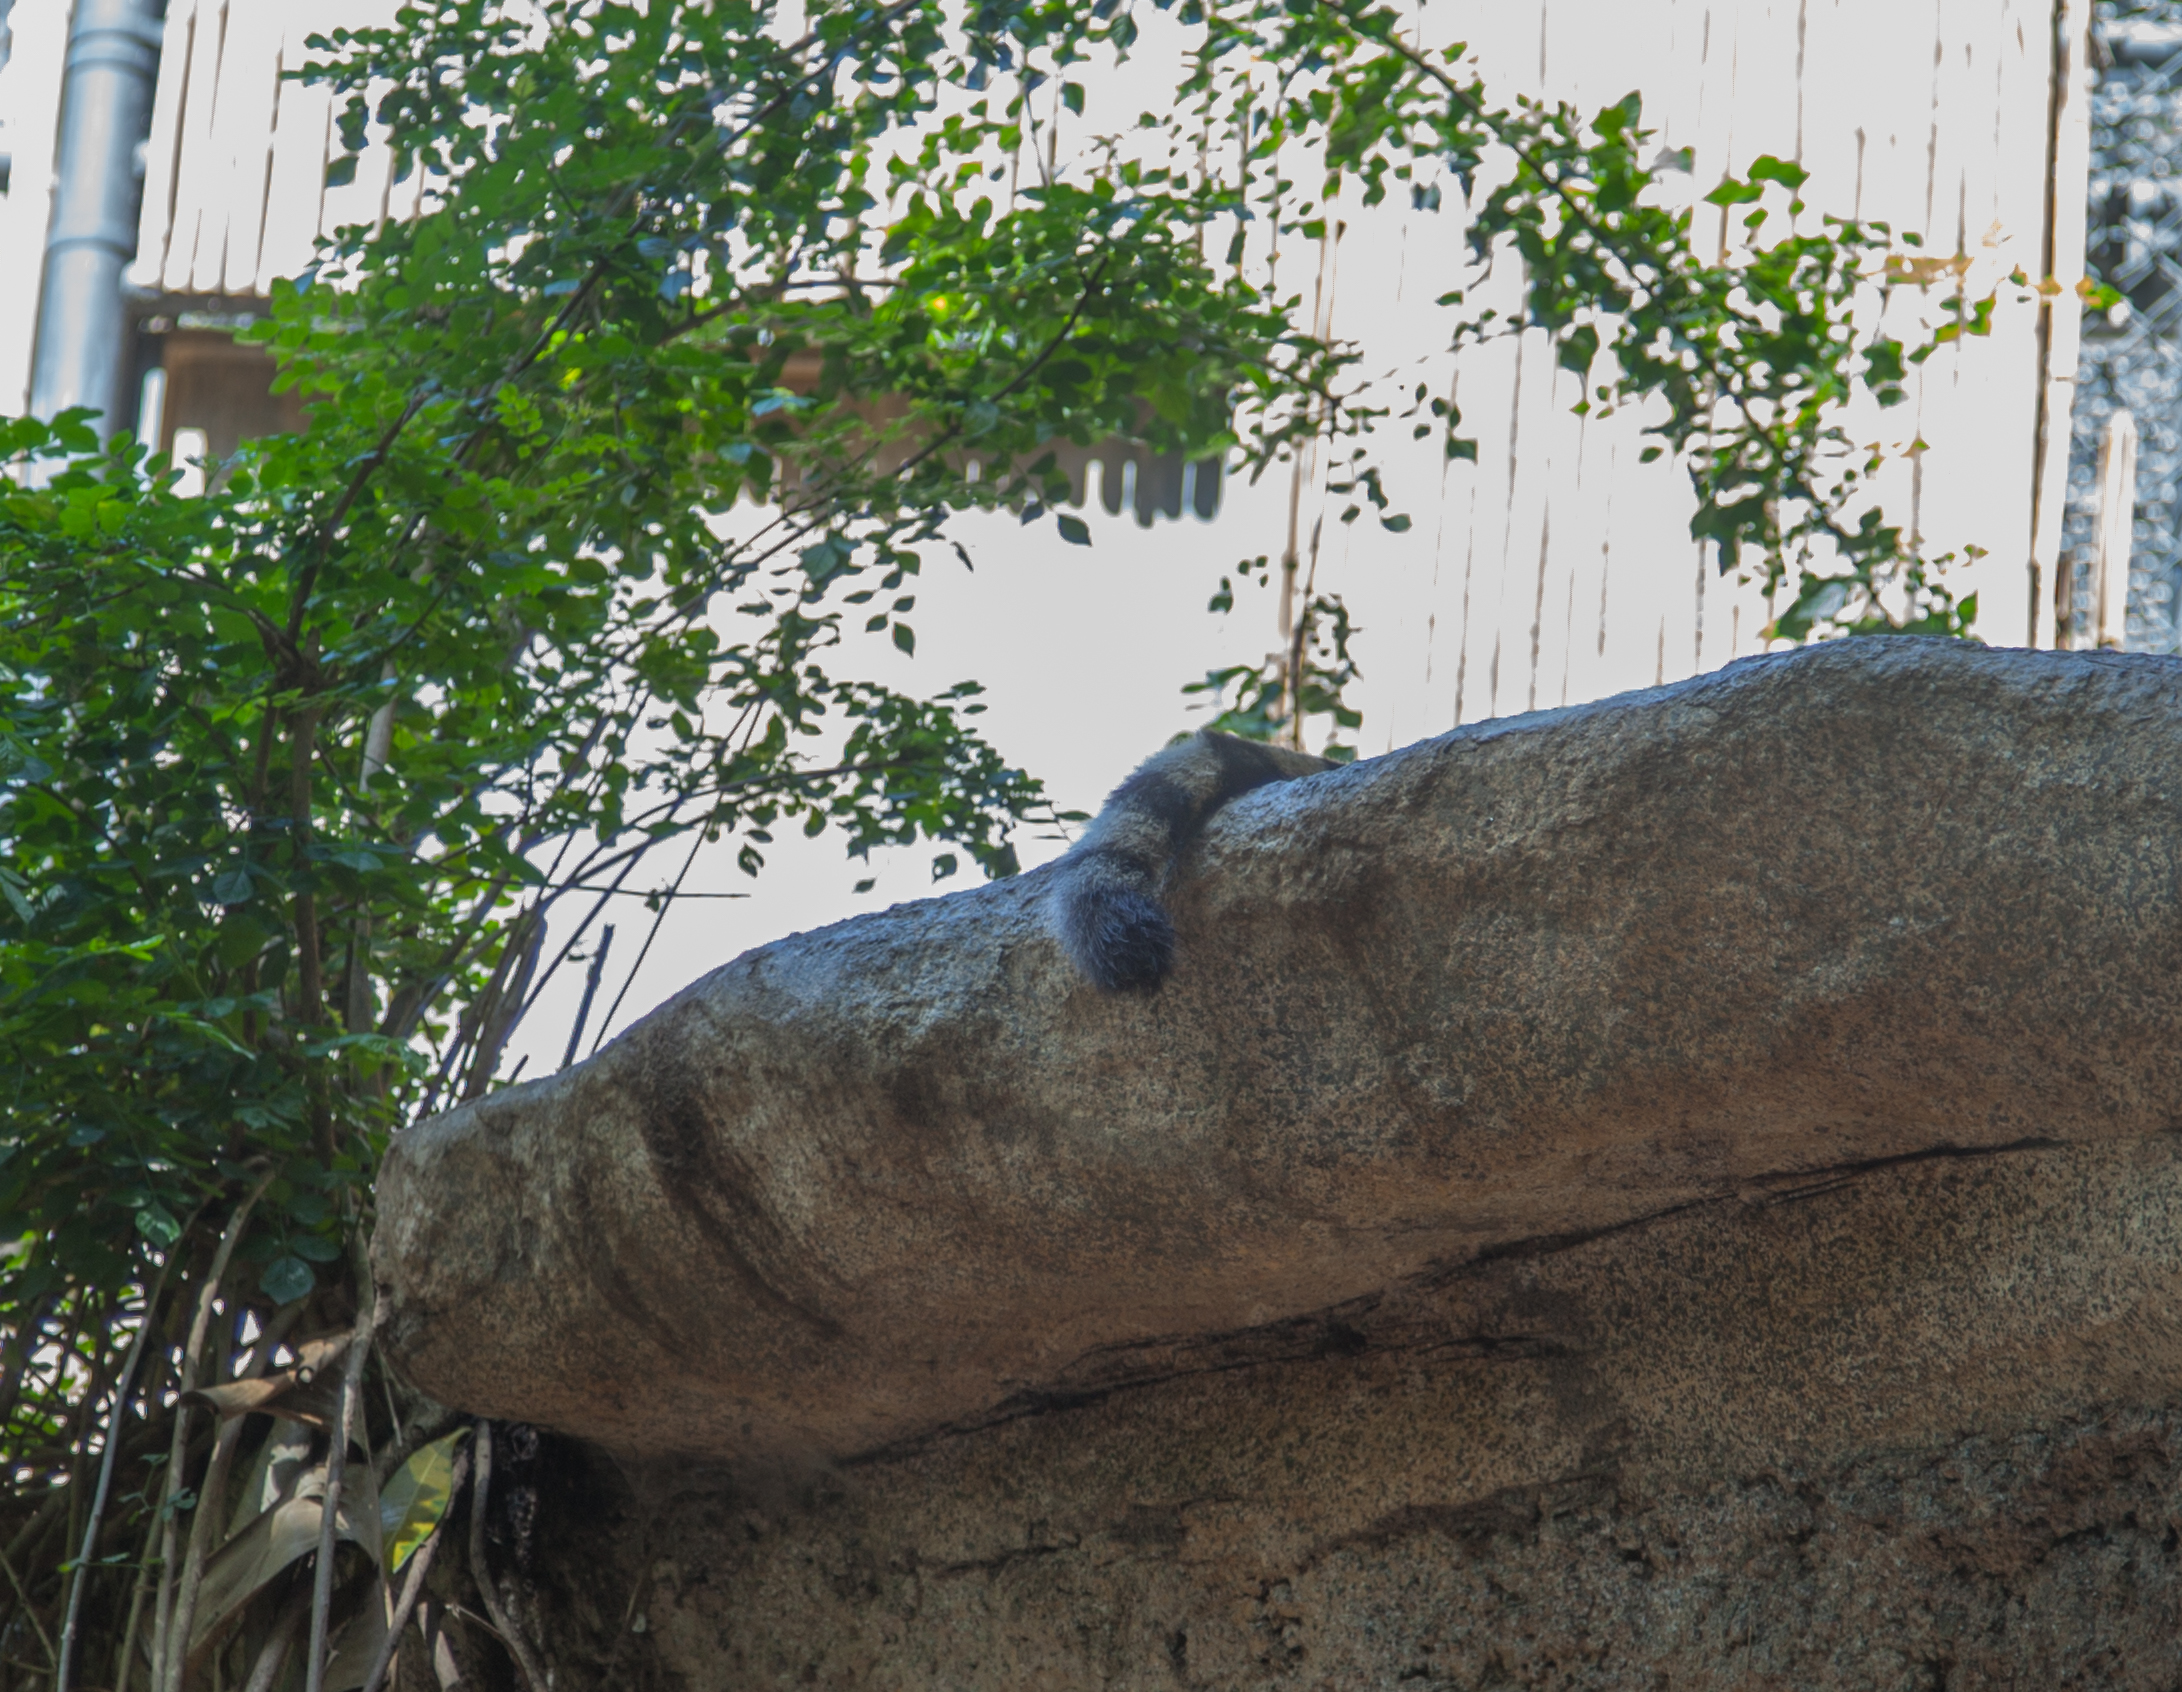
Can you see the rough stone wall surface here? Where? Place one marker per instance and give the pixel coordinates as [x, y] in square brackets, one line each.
[1912, 1429]
[1685, 1193]
[1527, 982]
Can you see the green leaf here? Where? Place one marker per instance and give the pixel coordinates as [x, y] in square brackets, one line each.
[1579, 349]
[905, 637]
[286, 1279]
[1074, 530]
[19, 763]
[415, 1498]
[158, 1225]
[1766, 168]
[1734, 193]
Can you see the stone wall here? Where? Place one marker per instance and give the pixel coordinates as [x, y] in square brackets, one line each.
[1684, 1192]
[1905, 1428]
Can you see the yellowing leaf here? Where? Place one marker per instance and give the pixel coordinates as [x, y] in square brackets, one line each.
[415, 1497]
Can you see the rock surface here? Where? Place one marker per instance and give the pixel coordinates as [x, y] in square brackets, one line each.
[1736, 1079]
[1911, 1430]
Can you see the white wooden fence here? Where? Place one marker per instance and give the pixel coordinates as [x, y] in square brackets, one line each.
[234, 181]
[1555, 568]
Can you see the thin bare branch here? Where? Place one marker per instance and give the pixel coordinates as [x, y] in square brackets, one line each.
[352, 1381]
[45, 1639]
[64, 1670]
[125, 1652]
[480, 1571]
[206, 1519]
[658, 917]
[265, 1672]
[169, 1651]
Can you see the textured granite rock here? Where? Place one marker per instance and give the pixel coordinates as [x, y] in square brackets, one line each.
[1476, 1015]
[1910, 1430]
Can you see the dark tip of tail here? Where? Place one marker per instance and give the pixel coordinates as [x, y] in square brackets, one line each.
[1118, 937]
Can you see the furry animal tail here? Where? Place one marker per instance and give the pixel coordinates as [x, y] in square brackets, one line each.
[1105, 898]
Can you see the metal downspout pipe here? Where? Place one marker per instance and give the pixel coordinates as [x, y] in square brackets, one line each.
[7, 48]
[106, 102]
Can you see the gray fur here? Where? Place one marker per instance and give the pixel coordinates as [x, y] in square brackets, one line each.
[1105, 899]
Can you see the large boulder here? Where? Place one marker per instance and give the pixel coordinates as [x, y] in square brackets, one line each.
[1457, 1038]
[1911, 1428]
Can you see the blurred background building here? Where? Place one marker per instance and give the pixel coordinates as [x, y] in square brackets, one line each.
[162, 170]
[189, 170]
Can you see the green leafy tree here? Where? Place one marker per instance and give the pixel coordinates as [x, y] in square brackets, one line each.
[614, 456]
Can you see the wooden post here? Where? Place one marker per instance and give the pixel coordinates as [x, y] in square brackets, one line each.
[2068, 164]
[2117, 525]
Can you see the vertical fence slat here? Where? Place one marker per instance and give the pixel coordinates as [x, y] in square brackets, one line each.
[302, 139]
[155, 222]
[1927, 113]
[197, 176]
